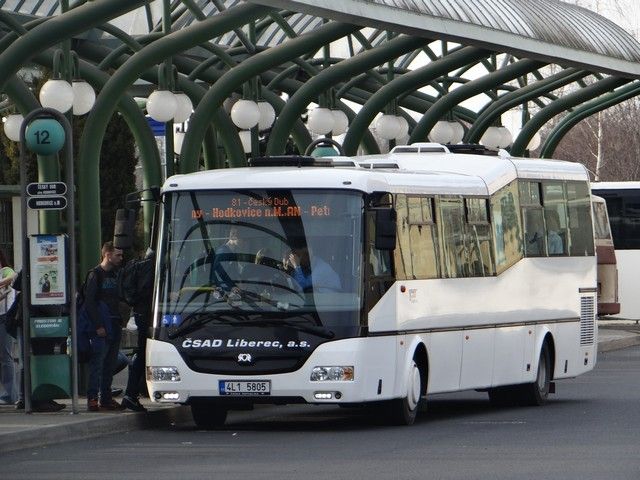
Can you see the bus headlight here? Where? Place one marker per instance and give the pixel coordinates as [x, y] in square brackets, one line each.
[332, 374]
[163, 374]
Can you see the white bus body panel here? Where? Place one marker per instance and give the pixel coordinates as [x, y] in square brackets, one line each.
[478, 334]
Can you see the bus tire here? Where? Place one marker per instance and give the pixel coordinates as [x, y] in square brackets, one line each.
[537, 392]
[403, 411]
[208, 416]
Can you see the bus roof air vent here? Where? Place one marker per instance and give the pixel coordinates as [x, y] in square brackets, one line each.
[373, 165]
[340, 162]
[421, 147]
[290, 161]
[472, 148]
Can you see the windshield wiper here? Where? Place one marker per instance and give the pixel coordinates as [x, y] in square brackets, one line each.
[203, 318]
[312, 329]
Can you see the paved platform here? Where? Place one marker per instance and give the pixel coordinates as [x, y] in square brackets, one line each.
[19, 430]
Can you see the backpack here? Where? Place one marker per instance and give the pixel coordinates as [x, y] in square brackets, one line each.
[135, 281]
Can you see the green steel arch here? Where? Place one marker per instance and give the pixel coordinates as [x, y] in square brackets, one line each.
[560, 105]
[400, 85]
[590, 108]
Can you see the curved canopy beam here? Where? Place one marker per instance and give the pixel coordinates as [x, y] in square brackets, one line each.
[560, 105]
[520, 96]
[468, 90]
[590, 108]
[331, 76]
[250, 68]
[115, 87]
[401, 85]
[62, 27]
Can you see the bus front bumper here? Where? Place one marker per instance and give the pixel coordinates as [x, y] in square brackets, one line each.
[170, 380]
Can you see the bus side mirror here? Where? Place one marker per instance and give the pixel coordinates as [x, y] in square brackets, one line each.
[124, 228]
[386, 229]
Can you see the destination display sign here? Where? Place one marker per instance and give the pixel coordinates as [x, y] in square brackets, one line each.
[46, 188]
[47, 202]
[272, 206]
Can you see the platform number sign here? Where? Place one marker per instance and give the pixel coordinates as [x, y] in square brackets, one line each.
[45, 136]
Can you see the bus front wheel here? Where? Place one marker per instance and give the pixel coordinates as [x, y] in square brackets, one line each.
[403, 411]
[208, 416]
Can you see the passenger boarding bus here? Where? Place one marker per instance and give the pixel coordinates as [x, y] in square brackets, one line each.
[623, 206]
[403, 275]
[608, 303]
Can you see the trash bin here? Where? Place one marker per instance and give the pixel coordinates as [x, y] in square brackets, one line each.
[50, 360]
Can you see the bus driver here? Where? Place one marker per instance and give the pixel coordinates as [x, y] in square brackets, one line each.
[311, 272]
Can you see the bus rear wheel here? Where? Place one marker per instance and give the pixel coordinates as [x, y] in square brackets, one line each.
[529, 394]
[537, 392]
[403, 411]
[208, 416]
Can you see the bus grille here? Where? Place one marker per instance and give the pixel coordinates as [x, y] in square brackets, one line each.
[587, 320]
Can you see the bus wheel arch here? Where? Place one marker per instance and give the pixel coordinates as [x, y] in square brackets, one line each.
[422, 359]
[404, 410]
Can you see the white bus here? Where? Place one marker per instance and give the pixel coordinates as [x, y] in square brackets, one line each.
[623, 206]
[430, 272]
[608, 303]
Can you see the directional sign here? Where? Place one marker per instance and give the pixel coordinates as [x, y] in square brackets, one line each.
[47, 202]
[46, 188]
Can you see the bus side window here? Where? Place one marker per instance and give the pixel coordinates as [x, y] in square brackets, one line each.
[533, 232]
[479, 238]
[555, 218]
[580, 224]
[507, 231]
[532, 218]
[452, 232]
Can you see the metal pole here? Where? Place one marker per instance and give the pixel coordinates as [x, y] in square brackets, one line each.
[26, 331]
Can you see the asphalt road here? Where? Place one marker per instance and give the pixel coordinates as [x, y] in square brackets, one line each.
[589, 430]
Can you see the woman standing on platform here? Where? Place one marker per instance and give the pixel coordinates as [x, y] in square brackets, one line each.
[7, 366]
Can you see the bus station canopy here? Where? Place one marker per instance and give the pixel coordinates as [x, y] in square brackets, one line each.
[424, 61]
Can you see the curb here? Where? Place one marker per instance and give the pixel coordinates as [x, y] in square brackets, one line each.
[82, 428]
[618, 344]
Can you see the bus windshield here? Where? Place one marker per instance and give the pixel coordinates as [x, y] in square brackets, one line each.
[277, 253]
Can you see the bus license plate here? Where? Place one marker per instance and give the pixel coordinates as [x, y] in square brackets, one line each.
[245, 387]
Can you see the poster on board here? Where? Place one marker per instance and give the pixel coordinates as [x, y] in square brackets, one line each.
[48, 268]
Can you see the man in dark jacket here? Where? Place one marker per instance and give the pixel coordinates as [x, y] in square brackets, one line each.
[102, 287]
[142, 314]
